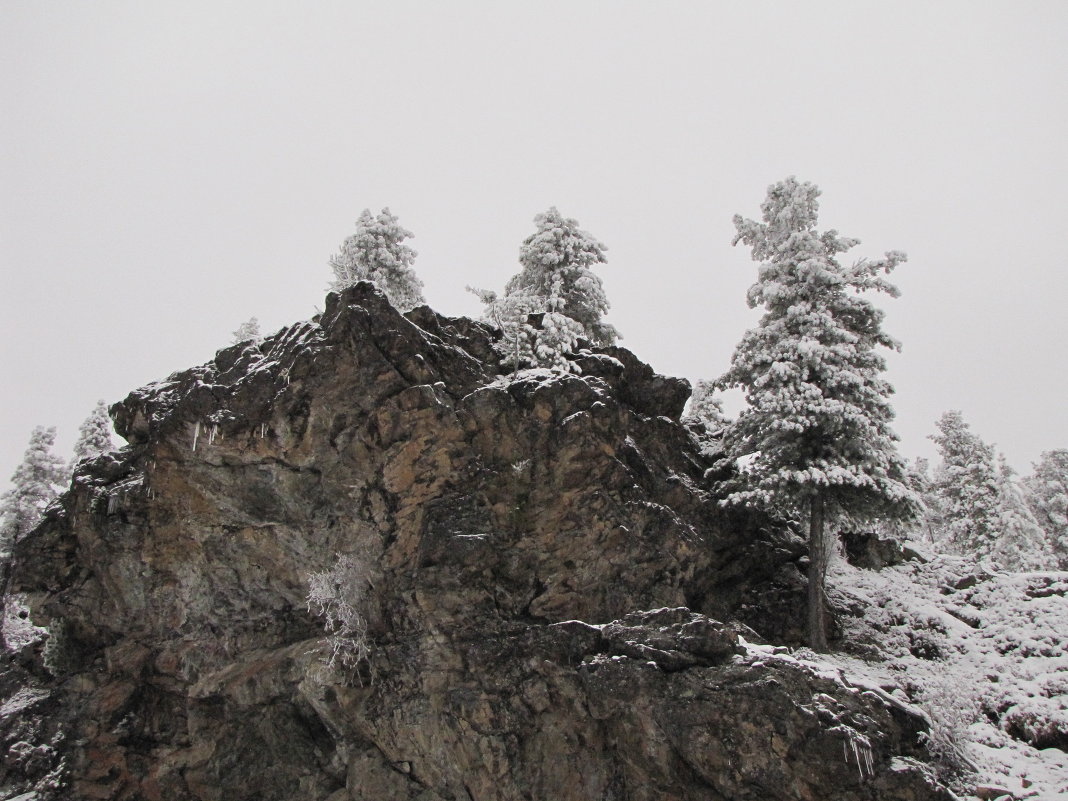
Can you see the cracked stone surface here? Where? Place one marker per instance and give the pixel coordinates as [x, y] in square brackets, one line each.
[555, 607]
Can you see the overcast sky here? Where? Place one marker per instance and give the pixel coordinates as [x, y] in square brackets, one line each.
[169, 170]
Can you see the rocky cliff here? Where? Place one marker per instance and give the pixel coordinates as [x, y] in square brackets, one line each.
[551, 604]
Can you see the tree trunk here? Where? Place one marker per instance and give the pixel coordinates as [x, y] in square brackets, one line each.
[817, 574]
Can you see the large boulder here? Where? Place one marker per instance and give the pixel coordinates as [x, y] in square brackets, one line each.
[552, 604]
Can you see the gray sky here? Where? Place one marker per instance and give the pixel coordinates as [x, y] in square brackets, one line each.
[169, 170]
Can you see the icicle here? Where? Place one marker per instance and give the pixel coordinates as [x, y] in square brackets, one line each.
[113, 504]
[213, 433]
[862, 753]
[196, 433]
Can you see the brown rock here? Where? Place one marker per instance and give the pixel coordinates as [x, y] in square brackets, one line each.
[545, 575]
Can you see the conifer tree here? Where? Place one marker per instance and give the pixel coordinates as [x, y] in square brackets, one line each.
[816, 432]
[34, 484]
[981, 508]
[705, 408]
[377, 253]
[250, 329]
[94, 436]
[918, 477]
[1047, 495]
[556, 282]
[967, 486]
[511, 313]
[1021, 542]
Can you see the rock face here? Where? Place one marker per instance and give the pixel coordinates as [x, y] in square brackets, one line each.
[870, 551]
[554, 608]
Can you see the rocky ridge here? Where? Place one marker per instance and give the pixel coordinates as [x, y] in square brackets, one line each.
[553, 605]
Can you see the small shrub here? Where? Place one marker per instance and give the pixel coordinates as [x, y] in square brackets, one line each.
[339, 595]
[953, 706]
[57, 654]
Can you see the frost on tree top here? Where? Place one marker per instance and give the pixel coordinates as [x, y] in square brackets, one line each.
[94, 435]
[557, 285]
[818, 416]
[557, 260]
[377, 253]
[34, 485]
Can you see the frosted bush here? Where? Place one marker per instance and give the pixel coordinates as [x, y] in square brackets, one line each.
[338, 595]
[247, 331]
[1039, 720]
[953, 706]
[57, 655]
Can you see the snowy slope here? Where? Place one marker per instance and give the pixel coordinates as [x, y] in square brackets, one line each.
[985, 654]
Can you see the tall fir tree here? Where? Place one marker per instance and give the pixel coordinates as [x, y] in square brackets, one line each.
[94, 436]
[816, 432]
[377, 253]
[34, 484]
[966, 483]
[556, 282]
[1047, 495]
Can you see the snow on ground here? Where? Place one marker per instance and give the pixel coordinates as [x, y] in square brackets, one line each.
[18, 632]
[983, 653]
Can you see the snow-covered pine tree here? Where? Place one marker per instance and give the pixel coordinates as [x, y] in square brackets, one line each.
[34, 484]
[1047, 494]
[967, 486]
[918, 477]
[816, 433]
[94, 436]
[556, 281]
[511, 313]
[377, 253]
[1022, 543]
[250, 329]
[705, 408]
[558, 261]
[921, 527]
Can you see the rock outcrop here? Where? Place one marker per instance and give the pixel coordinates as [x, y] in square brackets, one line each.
[553, 606]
